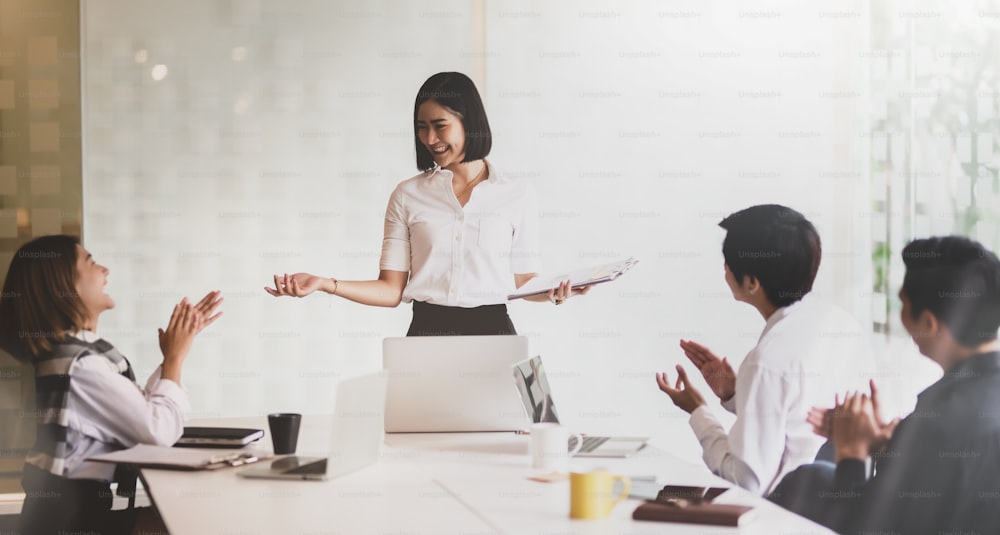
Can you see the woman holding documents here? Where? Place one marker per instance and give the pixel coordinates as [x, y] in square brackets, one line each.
[88, 402]
[459, 236]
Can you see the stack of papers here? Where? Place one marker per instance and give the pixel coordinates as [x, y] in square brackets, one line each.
[218, 437]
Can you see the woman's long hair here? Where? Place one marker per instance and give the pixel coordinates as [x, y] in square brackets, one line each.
[39, 304]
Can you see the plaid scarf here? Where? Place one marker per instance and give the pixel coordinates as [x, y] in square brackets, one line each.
[52, 382]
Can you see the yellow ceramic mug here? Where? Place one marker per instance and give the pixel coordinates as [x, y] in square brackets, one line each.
[591, 494]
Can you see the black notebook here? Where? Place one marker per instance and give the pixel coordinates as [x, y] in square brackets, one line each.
[692, 505]
[218, 437]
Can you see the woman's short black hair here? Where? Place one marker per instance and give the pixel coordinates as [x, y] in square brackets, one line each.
[958, 280]
[775, 244]
[455, 91]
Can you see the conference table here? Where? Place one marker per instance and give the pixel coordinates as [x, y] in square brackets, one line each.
[434, 483]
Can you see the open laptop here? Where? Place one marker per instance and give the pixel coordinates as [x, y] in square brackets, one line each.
[355, 436]
[536, 398]
[452, 383]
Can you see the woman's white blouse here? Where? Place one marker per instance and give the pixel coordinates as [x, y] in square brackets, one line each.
[461, 257]
[107, 412]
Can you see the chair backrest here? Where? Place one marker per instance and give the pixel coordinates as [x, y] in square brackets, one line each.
[17, 413]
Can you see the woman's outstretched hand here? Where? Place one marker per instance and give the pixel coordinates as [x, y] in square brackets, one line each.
[297, 285]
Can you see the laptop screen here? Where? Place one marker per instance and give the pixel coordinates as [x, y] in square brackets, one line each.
[452, 383]
[533, 386]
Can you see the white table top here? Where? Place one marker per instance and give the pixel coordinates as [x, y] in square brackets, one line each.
[429, 483]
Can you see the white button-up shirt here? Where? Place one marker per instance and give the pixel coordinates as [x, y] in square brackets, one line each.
[461, 257]
[808, 352]
[107, 412]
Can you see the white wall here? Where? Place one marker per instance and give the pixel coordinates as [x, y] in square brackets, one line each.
[279, 131]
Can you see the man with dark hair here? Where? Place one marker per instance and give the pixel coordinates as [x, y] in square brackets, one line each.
[807, 351]
[936, 470]
[775, 245]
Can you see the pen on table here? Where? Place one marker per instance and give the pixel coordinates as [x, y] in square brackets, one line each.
[234, 459]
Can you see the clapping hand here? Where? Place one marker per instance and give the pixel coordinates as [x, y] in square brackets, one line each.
[186, 321]
[717, 372]
[855, 429]
[822, 420]
[682, 393]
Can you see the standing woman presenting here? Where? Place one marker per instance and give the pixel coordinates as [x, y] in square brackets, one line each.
[455, 233]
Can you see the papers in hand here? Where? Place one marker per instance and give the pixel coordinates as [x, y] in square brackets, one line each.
[584, 277]
[175, 458]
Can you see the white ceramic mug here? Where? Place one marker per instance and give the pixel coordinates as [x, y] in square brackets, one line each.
[550, 447]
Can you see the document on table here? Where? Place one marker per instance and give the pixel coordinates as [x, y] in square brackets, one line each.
[578, 279]
[176, 458]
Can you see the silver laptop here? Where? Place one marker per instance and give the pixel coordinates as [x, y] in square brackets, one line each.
[452, 383]
[536, 399]
[356, 436]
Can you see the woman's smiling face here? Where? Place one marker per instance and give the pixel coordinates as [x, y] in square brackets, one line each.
[442, 132]
[91, 278]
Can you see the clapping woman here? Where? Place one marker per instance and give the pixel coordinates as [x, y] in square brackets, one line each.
[88, 401]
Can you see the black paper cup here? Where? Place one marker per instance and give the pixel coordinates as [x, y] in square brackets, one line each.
[284, 431]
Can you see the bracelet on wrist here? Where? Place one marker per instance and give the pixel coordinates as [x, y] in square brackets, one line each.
[335, 282]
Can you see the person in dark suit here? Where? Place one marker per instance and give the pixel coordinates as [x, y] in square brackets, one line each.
[936, 470]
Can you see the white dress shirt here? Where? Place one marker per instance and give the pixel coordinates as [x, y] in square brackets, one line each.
[461, 257]
[808, 352]
[107, 412]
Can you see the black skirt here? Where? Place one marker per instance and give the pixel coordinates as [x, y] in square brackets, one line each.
[437, 320]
